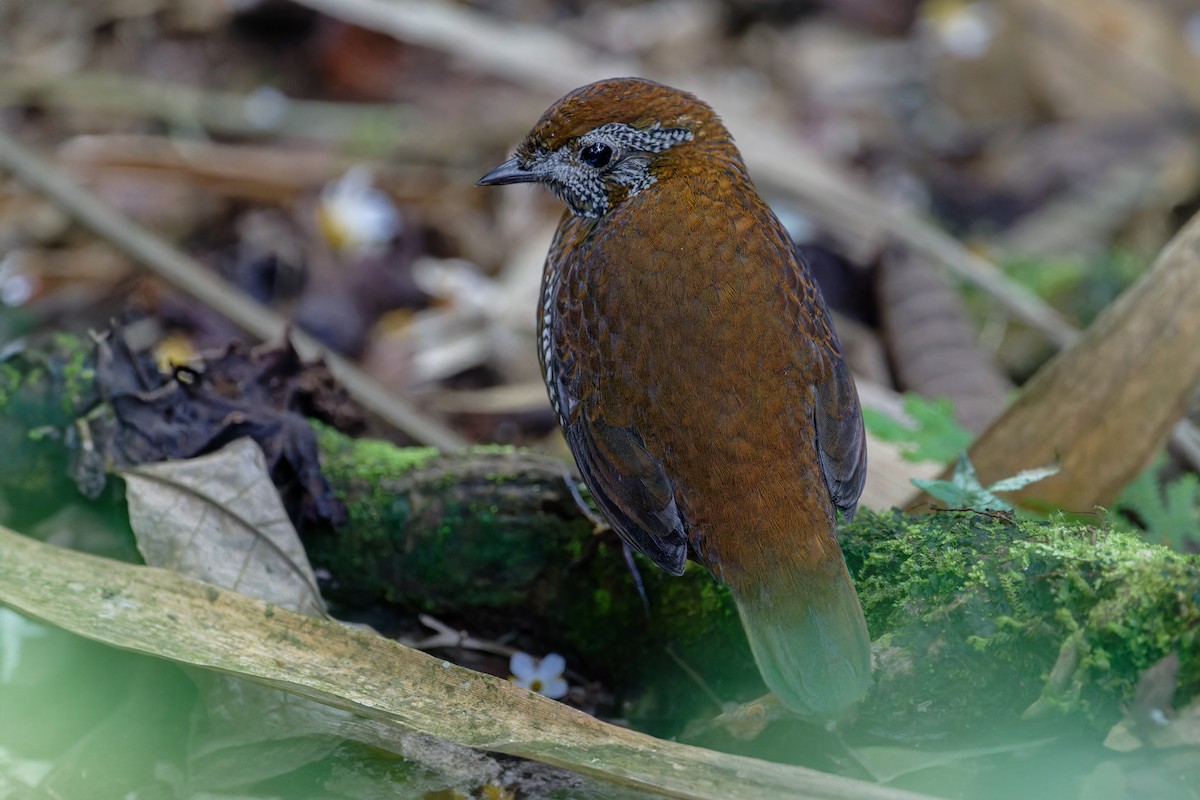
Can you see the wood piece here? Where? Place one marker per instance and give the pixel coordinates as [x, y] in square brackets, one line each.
[164, 614]
[933, 343]
[1103, 408]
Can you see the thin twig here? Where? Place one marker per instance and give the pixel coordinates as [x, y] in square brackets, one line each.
[189, 276]
[265, 113]
[447, 637]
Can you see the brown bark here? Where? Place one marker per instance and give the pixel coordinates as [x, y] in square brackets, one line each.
[1103, 407]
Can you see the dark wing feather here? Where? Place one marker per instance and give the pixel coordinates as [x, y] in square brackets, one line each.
[841, 441]
[628, 483]
[837, 418]
[631, 488]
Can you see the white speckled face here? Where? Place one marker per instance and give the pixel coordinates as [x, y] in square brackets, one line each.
[583, 172]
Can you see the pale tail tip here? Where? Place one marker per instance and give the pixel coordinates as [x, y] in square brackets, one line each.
[814, 651]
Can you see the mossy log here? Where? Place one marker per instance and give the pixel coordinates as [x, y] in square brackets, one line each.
[977, 619]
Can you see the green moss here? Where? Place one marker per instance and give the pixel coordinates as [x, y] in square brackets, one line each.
[361, 470]
[78, 375]
[431, 530]
[10, 381]
[369, 458]
[996, 598]
[602, 601]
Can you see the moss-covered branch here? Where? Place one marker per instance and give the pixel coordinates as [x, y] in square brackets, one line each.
[976, 619]
[491, 539]
[970, 613]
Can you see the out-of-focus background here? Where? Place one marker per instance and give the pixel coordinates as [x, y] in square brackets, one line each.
[972, 182]
[321, 158]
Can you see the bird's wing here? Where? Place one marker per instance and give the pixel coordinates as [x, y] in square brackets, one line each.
[841, 441]
[628, 483]
[837, 418]
[631, 488]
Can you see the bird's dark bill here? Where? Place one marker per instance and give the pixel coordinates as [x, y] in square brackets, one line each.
[510, 171]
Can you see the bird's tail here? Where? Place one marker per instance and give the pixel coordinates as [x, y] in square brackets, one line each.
[810, 641]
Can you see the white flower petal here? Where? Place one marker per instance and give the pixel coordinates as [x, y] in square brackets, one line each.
[523, 668]
[265, 107]
[356, 217]
[552, 666]
[555, 688]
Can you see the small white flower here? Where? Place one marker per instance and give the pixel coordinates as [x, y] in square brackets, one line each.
[16, 287]
[354, 216]
[265, 107]
[966, 29]
[543, 675]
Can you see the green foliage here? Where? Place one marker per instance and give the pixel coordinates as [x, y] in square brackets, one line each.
[1048, 278]
[964, 490]
[1108, 275]
[1081, 286]
[1169, 514]
[934, 436]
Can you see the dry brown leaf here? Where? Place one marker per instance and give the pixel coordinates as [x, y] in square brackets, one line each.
[219, 518]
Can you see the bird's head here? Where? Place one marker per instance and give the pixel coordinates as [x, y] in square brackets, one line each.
[610, 140]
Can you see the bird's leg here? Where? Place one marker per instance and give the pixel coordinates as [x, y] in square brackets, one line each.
[722, 707]
[600, 527]
[637, 577]
[597, 521]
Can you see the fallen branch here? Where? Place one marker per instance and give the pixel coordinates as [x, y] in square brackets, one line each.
[1102, 409]
[968, 612]
[164, 614]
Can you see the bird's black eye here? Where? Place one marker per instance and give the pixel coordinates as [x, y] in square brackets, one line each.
[596, 155]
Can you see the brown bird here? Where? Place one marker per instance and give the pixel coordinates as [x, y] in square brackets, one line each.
[692, 363]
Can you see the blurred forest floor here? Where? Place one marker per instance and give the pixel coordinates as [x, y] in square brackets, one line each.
[973, 182]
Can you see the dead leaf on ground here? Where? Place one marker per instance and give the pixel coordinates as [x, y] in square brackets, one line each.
[219, 518]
